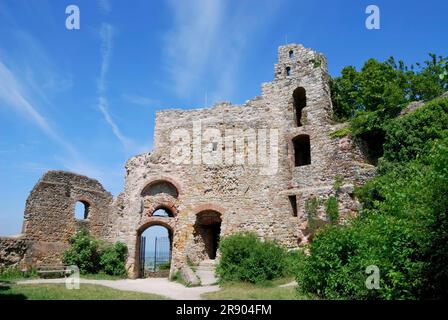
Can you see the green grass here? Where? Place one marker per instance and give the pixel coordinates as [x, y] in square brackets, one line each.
[12, 274]
[248, 291]
[102, 276]
[60, 292]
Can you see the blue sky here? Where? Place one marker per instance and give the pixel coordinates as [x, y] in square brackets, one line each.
[84, 100]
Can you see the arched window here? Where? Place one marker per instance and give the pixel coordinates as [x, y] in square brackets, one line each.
[288, 71]
[81, 210]
[163, 212]
[299, 96]
[291, 54]
[302, 150]
[160, 186]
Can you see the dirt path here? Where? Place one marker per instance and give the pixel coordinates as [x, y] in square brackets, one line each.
[160, 286]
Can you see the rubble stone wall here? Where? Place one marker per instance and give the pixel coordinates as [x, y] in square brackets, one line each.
[12, 252]
[50, 221]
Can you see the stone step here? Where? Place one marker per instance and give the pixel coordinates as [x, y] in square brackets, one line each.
[200, 268]
[207, 263]
[206, 272]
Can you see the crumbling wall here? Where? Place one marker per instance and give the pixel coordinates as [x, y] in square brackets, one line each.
[50, 221]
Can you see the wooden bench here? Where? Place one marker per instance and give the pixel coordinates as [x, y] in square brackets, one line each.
[54, 269]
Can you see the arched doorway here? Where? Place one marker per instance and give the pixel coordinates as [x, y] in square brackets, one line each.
[155, 243]
[208, 229]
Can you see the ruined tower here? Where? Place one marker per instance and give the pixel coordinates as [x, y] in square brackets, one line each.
[267, 166]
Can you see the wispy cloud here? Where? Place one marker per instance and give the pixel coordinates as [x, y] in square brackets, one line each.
[138, 100]
[13, 94]
[102, 105]
[207, 41]
[189, 43]
[106, 34]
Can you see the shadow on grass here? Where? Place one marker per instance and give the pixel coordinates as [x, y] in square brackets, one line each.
[7, 294]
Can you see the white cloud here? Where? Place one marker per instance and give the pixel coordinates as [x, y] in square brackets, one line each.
[189, 44]
[138, 100]
[102, 105]
[208, 40]
[106, 34]
[13, 94]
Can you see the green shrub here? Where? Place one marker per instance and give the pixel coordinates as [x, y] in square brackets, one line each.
[244, 257]
[83, 252]
[332, 210]
[113, 259]
[93, 256]
[295, 262]
[407, 136]
[403, 230]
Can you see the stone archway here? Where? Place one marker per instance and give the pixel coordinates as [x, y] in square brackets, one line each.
[153, 221]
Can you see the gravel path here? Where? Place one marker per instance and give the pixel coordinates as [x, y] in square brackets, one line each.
[160, 286]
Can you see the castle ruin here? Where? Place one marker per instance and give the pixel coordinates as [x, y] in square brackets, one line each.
[216, 171]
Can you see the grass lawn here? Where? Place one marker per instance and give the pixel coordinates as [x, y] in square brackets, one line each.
[248, 291]
[60, 292]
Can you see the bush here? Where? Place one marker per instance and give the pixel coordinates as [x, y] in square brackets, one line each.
[295, 262]
[113, 259]
[244, 257]
[83, 253]
[92, 256]
[403, 226]
[407, 136]
[403, 230]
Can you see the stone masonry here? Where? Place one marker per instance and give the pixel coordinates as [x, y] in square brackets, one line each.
[216, 171]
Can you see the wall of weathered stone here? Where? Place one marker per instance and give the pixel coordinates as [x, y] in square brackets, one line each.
[12, 252]
[49, 219]
[247, 198]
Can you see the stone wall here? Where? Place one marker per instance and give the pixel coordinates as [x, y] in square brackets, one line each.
[217, 171]
[49, 219]
[247, 197]
[12, 252]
